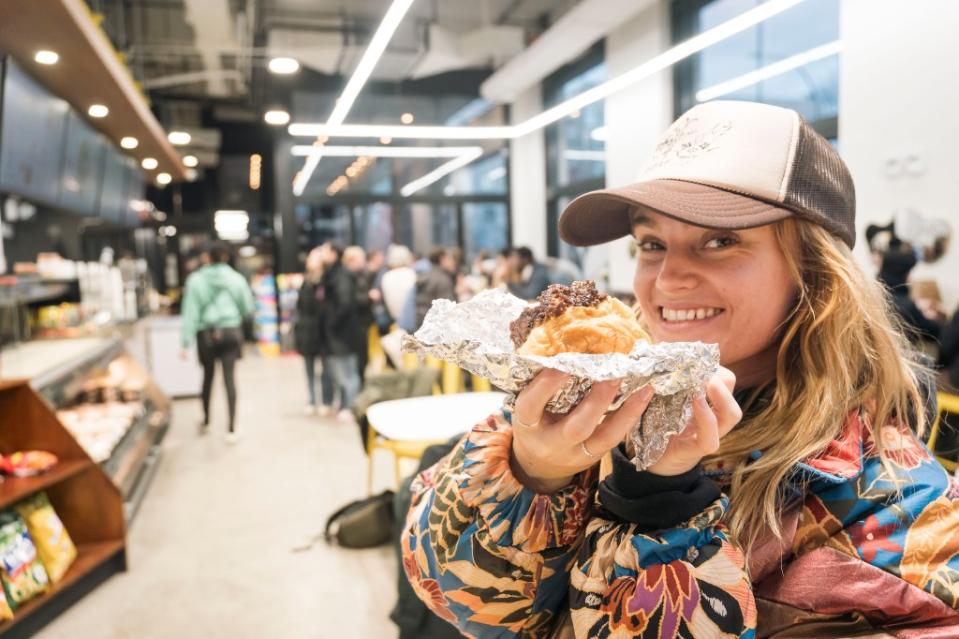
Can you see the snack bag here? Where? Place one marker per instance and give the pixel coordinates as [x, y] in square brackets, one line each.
[22, 573]
[52, 540]
[30, 462]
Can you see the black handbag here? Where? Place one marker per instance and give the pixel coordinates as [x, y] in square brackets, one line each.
[364, 523]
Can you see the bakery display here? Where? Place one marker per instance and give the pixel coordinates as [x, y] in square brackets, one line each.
[575, 319]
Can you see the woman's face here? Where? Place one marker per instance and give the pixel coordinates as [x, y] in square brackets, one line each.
[728, 287]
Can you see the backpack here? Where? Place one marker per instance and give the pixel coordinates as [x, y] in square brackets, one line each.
[363, 523]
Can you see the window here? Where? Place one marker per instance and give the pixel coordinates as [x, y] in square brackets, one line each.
[575, 146]
[802, 34]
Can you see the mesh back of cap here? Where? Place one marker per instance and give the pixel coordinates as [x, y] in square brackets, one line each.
[820, 187]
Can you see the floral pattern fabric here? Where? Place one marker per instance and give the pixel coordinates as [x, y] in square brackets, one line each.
[497, 560]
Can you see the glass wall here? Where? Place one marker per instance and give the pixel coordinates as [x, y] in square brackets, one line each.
[804, 36]
[575, 146]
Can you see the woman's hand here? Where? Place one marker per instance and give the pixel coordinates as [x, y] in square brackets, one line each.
[710, 422]
[548, 450]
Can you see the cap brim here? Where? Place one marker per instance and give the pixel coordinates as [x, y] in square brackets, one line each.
[602, 216]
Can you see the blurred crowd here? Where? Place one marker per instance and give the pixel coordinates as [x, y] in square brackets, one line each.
[347, 291]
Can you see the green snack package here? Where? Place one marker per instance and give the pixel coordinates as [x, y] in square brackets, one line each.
[20, 569]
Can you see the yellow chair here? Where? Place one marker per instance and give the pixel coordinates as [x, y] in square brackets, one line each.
[400, 450]
[377, 356]
[948, 403]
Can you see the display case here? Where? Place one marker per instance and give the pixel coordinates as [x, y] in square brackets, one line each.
[83, 496]
[105, 399]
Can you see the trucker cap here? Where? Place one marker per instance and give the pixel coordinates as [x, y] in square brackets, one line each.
[727, 164]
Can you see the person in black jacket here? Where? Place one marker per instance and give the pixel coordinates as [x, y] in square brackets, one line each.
[338, 327]
[308, 336]
[354, 259]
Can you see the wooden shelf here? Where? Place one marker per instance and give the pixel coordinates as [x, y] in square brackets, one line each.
[89, 557]
[13, 489]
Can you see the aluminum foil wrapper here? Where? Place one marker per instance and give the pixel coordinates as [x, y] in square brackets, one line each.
[475, 336]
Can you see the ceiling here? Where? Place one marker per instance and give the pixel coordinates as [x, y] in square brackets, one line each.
[213, 48]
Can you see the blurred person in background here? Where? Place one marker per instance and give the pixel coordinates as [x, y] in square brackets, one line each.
[527, 278]
[354, 259]
[308, 334]
[339, 317]
[215, 301]
[439, 282]
[399, 281]
[896, 259]
[376, 266]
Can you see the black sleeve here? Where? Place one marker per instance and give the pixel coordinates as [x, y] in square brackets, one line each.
[654, 502]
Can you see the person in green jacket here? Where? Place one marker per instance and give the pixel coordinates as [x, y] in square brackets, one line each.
[215, 301]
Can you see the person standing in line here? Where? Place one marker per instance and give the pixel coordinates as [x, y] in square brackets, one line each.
[399, 280]
[308, 335]
[376, 267]
[215, 301]
[437, 283]
[529, 277]
[339, 316]
[354, 259]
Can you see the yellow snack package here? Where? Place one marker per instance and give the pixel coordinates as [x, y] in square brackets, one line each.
[54, 546]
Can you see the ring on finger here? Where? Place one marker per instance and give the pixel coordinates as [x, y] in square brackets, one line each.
[586, 451]
[518, 422]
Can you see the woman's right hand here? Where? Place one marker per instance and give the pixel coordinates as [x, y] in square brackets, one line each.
[549, 450]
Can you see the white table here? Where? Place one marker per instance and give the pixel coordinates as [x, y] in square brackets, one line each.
[432, 417]
[406, 427]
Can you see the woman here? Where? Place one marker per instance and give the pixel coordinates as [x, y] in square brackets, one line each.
[308, 335]
[821, 514]
[215, 302]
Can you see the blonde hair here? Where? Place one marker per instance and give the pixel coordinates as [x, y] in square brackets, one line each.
[840, 350]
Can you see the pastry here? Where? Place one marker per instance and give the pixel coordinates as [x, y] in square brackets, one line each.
[575, 319]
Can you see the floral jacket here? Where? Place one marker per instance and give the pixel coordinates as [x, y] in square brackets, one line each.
[864, 552]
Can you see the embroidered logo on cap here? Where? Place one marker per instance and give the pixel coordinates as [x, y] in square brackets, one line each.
[685, 141]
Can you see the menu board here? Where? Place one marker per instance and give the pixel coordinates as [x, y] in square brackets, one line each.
[32, 136]
[83, 154]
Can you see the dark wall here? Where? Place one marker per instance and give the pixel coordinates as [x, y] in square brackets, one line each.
[48, 230]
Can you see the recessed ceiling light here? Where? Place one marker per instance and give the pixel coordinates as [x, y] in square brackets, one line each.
[46, 56]
[283, 66]
[385, 140]
[276, 117]
[192, 174]
[98, 111]
[149, 163]
[407, 118]
[164, 179]
[179, 138]
[129, 142]
[190, 161]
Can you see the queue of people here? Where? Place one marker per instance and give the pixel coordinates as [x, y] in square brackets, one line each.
[345, 292]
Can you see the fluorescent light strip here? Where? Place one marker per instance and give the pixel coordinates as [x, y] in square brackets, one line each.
[388, 151]
[439, 172]
[402, 132]
[658, 63]
[394, 15]
[770, 71]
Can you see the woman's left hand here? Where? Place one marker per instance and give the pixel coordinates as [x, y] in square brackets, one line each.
[707, 426]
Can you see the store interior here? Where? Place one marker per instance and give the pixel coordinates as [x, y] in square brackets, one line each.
[403, 135]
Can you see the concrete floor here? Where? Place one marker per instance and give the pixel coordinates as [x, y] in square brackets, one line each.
[210, 551]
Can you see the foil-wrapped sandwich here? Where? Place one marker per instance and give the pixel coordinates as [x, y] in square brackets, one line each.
[580, 331]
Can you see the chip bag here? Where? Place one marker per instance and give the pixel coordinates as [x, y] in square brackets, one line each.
[29, 462]
[52, 540]
[22, 573]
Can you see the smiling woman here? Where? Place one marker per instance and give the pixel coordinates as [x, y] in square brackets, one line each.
[744, 222]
